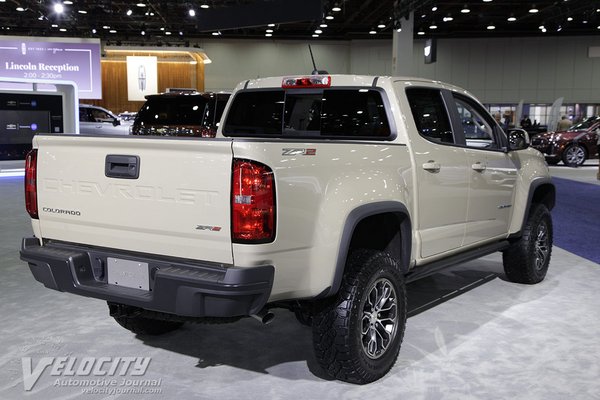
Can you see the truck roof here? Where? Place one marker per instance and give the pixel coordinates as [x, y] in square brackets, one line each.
[346, 80]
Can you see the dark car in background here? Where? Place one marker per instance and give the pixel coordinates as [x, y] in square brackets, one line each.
[180, 114]
[572, 146]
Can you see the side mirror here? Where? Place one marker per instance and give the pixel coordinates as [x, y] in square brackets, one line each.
[116, 122]
[518, 139]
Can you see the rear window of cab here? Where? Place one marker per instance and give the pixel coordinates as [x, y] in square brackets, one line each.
[316, 113]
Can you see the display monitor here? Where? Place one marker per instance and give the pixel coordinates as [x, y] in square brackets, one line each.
[24, 115]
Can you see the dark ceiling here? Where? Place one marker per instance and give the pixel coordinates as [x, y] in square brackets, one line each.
[169, 22]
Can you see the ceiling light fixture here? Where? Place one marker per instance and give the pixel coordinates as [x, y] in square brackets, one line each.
[434, 8]
[113, 31]
[192, 12]
[465, 10]
[69, 2]
[140, 5]
[205, 6]
[323, 26]
[570, 19]
[315, 35]
[63, 29]
[268, 34]
[433, 26]
[129, 12]
[421, 33]
[20, 9]
[318, 31]
[372, 32]
[94, 31]
[448, 19]
[143, 33]
[336, 8]
[271, 25]
[329, 17]
[59, 8]
[82, 11]
[487, 1]
[381, 26]
[511, 19]
[491, 27]
[269, 30]
[533, 10]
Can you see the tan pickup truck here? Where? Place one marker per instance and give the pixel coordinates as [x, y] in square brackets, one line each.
[323, 194]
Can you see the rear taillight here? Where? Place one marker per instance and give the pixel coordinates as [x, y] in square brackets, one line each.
[31, 203]
[252, 202]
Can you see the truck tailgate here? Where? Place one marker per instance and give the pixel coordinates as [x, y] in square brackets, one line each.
[177, 206]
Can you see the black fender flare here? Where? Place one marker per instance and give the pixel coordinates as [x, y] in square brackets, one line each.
[551, 200]
[352, 221]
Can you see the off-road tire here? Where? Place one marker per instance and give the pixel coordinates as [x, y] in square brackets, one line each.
[527, 259]
[344, 327]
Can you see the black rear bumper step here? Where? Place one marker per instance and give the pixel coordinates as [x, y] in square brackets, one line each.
[193, 289]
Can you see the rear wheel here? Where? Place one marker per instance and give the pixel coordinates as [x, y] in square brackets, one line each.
[357, 335]
[574, 155]
[527, 260]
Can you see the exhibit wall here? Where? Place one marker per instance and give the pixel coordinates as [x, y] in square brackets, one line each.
[497, 70]
[236, 60]
[170, 75]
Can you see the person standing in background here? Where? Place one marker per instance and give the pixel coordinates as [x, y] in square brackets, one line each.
[564, 124]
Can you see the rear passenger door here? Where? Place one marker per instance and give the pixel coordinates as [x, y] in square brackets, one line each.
[442, 179]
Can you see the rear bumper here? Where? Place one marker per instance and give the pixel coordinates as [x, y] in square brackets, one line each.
[180, 287]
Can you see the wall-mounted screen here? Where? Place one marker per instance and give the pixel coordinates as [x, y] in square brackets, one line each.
[24, 115]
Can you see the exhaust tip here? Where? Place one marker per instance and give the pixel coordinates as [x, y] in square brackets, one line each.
[265, 317]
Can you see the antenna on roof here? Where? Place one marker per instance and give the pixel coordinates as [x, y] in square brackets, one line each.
[315, 70]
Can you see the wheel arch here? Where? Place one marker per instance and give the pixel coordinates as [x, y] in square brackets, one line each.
[541, 191]
[394, 235]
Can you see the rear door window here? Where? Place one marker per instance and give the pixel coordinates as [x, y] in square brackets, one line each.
[328, 113]
[430, 114]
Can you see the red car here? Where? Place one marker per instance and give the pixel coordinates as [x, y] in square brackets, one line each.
[573, 146]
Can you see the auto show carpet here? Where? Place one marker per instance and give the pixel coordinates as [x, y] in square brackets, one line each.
[576, 218]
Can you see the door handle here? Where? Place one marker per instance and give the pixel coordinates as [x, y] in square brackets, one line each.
[478, 166]
[432, 166]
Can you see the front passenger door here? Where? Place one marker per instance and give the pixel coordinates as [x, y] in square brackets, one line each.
[492, 172]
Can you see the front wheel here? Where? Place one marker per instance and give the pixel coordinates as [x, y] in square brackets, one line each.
[357, 335]
[574, 155]
[527, 260]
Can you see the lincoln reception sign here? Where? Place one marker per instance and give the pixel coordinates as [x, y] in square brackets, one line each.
[61, 59]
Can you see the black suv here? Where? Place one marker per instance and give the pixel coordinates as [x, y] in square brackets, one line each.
[180, 114]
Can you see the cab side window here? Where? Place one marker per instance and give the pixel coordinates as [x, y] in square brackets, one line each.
[478, 130]
[429, 111]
